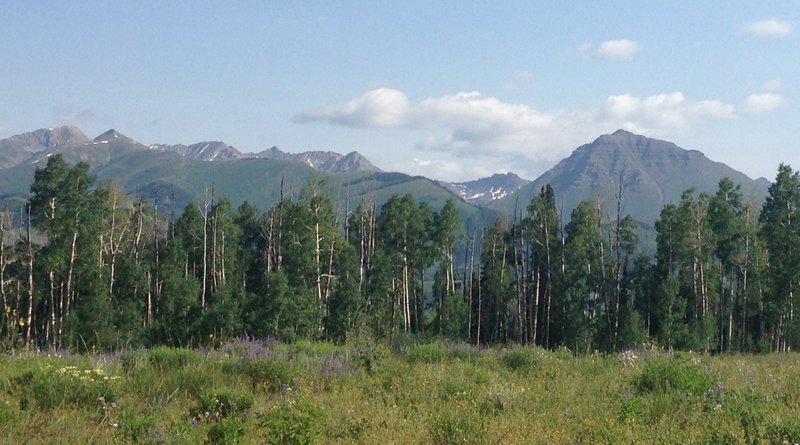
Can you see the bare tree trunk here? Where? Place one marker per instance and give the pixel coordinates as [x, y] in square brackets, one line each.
[56, 341]
[72, 255]
[744, 290]
[205, 255]
[214, 259]
[29, 320]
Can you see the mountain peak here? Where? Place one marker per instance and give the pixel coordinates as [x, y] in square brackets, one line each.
[486, 190]
[112, 135]
[619, 136]
[651, 172]
[46, 138]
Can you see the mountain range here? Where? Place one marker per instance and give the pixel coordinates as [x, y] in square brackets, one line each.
[485, 191]
[647, 173]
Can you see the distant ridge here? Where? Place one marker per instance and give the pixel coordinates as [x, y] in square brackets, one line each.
[22, 147]
[27, 147]
[651, 172]
[487, 190]
[326, 161]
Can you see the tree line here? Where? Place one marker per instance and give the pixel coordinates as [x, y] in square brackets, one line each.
[88, 269]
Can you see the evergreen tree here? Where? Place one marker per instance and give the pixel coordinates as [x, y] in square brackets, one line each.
[780, 217]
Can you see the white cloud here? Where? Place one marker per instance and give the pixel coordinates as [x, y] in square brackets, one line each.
[382, 107]
[664, 113]
[760, 103]
[769, 28]
[618, 49]
[466, 126]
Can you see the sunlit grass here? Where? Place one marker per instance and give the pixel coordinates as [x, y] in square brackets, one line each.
[266, 392]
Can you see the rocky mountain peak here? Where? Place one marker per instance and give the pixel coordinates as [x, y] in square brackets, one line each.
[484, 191]
[112, 135]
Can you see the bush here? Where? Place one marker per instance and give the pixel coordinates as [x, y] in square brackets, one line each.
[223, 403]
[48, 388]
[291, 423]
[229, 431]
[520, 359]
[665, 375]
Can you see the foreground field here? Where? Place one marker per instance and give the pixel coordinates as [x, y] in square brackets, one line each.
[255, 392]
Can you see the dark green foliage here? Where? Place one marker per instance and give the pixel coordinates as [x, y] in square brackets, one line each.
[228, 431]
[520, 359]
[673, 375]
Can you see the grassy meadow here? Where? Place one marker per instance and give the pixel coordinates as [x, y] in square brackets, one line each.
[251, 391]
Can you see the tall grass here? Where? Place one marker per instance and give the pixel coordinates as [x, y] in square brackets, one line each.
[251, 391]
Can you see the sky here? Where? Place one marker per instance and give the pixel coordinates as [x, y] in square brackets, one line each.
[453, 90]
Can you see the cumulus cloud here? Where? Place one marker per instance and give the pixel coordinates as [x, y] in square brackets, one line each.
[611, 49]
[382, 107]
[470, 125]
[664, 113]
[618, 49]
[769, 28]
[760, 103]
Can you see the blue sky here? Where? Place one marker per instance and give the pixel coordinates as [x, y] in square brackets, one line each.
[451, 90]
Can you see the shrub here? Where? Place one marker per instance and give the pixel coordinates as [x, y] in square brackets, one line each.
[229, 431]
[48, 388]
[291, 423]
[223, 403]
[520, 359]
[664, 375]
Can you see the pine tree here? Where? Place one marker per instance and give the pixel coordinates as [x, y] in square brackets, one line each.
[780, 216]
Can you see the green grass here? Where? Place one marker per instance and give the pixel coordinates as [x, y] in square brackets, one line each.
[431, 393]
